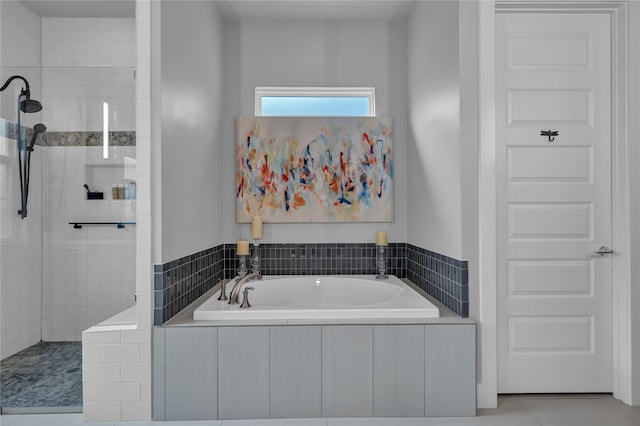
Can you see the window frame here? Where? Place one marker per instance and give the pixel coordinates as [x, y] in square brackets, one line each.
[368, 92]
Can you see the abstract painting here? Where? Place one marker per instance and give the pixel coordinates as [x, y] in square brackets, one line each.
[314, 169]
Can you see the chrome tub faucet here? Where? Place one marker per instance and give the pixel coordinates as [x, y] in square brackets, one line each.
[235, 291]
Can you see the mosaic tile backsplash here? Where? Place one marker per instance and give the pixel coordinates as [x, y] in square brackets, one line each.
[182, 281]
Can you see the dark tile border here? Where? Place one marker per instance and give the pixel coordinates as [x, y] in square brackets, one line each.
[444, 278]
[178, 283]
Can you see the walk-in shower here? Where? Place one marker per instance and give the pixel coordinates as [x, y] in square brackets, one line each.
[57, 280]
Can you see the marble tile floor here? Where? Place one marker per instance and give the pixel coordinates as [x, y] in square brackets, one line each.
[48, 374]
[513, 410]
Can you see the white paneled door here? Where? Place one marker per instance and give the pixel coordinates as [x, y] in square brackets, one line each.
[554, 202]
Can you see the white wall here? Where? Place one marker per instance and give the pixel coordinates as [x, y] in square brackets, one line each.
[316, 53]
[191, 140]
[634, 210]
[21, 251]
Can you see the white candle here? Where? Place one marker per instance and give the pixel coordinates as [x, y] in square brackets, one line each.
[256, 227]
[242, 248]
[381, 238]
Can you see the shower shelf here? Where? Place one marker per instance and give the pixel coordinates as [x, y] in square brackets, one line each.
[120, 225]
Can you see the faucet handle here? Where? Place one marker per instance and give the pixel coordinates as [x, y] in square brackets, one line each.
[223, 289]
[245, 297]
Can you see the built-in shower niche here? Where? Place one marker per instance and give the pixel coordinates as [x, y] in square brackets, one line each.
[115, 179]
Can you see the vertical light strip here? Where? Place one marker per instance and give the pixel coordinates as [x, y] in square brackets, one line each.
[105, 130]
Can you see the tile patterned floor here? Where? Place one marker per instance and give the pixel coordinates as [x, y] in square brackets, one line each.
[48, 374]
[516, 410]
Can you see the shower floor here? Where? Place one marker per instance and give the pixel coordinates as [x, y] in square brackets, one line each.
[46, 375]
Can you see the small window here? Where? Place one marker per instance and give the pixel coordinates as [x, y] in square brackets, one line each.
[315, 101]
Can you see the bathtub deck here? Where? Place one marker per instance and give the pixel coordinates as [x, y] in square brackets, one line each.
[185, 317]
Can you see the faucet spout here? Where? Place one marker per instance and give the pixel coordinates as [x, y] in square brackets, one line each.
[235, 291]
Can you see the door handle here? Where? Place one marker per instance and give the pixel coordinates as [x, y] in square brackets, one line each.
[604, 250]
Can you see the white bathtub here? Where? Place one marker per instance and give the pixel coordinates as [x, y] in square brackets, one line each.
[322, 297]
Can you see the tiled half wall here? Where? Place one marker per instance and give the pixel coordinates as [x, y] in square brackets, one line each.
[180, 282]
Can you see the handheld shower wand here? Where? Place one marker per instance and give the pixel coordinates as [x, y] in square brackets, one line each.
[37, 129]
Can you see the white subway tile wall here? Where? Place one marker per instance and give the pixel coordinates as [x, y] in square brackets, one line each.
[132, 373]
[116, 375]
[89, 273]
[20, 48]
[81, 42]
[85, 62]
[86, 275]
[21, 54]
[20, 284]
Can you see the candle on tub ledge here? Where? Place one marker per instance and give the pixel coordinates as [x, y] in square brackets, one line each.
[242, 248]
[256, 227]
[381, 263]
[381, 238]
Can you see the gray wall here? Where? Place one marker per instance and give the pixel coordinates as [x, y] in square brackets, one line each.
[434, 120]
[316, 53]
[443, 131]
[191, 140]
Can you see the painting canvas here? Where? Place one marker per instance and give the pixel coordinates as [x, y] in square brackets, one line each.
[314, 169]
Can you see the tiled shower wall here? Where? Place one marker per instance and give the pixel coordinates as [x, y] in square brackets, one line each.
[20, 240]
[88, 273]
[86, 61]
[182, 281]
[20, 251]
